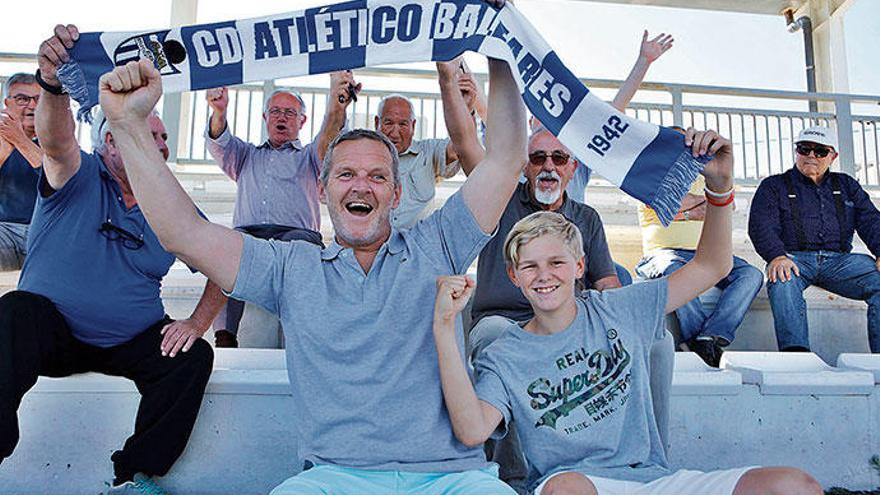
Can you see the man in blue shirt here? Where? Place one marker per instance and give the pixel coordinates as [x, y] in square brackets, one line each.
[369, 407]
[802, 223]
[20, 159]
[88, 298]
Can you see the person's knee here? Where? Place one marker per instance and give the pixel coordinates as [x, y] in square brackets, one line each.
[569, 484]
[752, 277]
[777, 481]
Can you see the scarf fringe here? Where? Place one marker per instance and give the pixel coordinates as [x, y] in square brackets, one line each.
[676, 183]
[73, 79]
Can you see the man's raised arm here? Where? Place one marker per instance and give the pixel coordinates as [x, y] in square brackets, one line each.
[338, 101]
[491, 184]
[649, 51]
[53, 120]
[128, 94]
[464, 145]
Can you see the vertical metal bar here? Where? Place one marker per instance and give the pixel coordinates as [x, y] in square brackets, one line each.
[779, 139]
[845, 130]
[755, 143]
[313, 101]
[876, 153]
[677, 106]
[864, 150]
[250, 112]
[767, 144]
[742, 130]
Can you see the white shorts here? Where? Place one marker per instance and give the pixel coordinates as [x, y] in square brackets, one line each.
[682, 482]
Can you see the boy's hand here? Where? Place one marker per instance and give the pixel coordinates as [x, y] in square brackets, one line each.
[453, 293]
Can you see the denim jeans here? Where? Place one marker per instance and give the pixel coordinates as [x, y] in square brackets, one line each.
[738, 289]
[847, 274]
[13, 245]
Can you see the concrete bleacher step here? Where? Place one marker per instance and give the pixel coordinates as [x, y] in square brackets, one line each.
[861, 362]
[244, 441]
[693, 376]
[790, 373]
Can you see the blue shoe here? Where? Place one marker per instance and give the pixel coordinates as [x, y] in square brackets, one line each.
[140, 485]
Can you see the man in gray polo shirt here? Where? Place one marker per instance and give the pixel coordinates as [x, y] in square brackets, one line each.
[425, 161]
[277, 195]
[370, 412]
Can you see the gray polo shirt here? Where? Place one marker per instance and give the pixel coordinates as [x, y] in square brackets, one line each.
[360, 347]
[275, 185]
[420, 167]
[496, 294]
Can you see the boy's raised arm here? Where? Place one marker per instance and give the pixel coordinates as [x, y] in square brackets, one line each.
[473, 420]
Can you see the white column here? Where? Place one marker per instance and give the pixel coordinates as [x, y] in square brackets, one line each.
[176, 108]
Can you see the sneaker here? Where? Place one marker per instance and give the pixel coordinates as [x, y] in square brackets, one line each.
[708, 349]
[140, 485]
[225, 338]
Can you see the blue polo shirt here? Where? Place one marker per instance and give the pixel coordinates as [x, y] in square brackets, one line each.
[773, 232]
[18, 189]
[360, 346]
[107, 293]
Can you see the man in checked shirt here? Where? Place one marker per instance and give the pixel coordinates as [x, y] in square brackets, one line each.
[277, 181]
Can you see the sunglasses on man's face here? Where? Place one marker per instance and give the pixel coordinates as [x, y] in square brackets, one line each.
[817, 151]
[559, 158]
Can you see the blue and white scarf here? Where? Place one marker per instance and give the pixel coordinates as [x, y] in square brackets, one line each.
[649, 162]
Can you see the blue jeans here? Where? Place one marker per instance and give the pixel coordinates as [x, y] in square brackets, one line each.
[850, 275]
[738, 289]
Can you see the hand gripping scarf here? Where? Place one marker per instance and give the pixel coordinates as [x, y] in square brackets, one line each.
[648, 162]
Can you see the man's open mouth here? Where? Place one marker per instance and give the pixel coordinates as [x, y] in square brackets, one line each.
[358, 208]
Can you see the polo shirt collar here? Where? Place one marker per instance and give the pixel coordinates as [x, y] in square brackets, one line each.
[395, 245]
[295, 144]
[413, 149]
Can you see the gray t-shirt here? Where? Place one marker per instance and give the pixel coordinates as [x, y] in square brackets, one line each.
[581, 398]
[496, 294]
[360, 348]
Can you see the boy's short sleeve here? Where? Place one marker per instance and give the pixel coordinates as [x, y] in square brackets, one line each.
[490, 389]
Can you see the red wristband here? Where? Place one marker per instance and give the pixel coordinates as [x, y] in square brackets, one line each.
[720, 202]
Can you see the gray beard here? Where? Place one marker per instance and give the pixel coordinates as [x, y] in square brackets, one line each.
[547, 197]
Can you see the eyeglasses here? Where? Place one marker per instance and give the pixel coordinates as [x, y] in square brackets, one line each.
[818, 151]
[114, 233]
[23, 100]
[539, 157]
[287, 112]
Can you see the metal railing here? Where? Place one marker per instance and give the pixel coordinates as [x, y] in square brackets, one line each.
[762, 124]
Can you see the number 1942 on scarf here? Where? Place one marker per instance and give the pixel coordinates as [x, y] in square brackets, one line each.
[601, 142]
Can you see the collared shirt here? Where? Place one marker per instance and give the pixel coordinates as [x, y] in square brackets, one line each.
[770, 220]
[420, 168]
[360, 346]
[107, 293]
[275, 185]
[496, 294]
[18, 189]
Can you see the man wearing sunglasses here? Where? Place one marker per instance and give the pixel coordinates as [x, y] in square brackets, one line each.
[802, 223]
[20, 159]
[277, 195]
[497, 302]
[89, 295]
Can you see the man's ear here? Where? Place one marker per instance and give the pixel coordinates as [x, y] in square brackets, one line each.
[376, 122]
[322, 193]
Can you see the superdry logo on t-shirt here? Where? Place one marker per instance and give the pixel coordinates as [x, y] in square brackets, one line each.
[600, 386]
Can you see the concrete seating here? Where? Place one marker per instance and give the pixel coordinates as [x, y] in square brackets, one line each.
[694, 377]
[792, 373]
[861, 362]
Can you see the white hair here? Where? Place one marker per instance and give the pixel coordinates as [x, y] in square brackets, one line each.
[100, 128]
[381, 107]
[302, 103]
